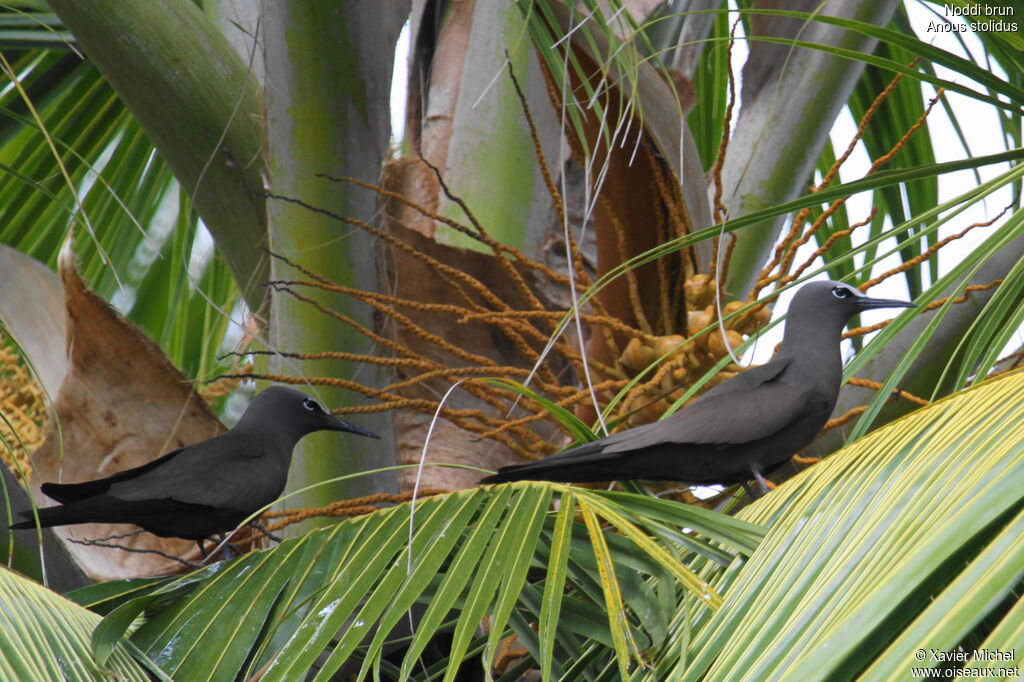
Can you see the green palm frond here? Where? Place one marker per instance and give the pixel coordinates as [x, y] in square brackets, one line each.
[500, 552]
[44, 636]
[908, 539]
[134, 234]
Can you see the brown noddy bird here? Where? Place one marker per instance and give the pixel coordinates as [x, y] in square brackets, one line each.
[202, 489]
[742, 428]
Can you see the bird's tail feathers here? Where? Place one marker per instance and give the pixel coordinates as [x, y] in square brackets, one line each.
[97, 509]
[579, 465]
[72, 492]
[48, 517]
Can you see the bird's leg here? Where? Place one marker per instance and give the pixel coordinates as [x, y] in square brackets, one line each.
[228, 551]
[760, 481]
[202, 548]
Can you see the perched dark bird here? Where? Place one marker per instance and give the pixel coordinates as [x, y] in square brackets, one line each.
[742, 428]
[205, 488]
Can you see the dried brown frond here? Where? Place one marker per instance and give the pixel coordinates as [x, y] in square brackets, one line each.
[631, 280]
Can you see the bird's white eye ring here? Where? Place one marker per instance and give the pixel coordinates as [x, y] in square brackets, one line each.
[311, 406]
[840, 292]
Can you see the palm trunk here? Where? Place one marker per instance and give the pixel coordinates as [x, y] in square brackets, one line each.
[328, 74]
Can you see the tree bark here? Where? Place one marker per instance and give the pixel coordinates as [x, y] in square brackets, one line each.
[328, 77]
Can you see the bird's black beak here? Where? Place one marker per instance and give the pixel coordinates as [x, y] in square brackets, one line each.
[335, 424]
[865, 303]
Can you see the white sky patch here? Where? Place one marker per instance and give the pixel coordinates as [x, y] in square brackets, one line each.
[399, 83]
[202, 252]
[237, 401]
[980, 126]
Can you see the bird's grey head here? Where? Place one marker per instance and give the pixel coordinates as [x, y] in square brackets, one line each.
[294, 412]
[826, 307]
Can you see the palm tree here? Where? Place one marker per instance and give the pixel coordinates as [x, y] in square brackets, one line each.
[562, 242]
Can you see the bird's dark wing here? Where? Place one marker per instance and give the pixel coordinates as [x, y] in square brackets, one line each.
[750, 406]
[752, 378]
[72, 492]
[222, 472]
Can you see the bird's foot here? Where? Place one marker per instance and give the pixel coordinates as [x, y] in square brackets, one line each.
[231, 551]
[754, 494]
[266, 533]
[225, 549]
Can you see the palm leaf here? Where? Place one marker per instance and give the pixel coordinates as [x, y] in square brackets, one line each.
[134, 237]
[907, 539]
[868, 550]
[43, 636]
[342, 595]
